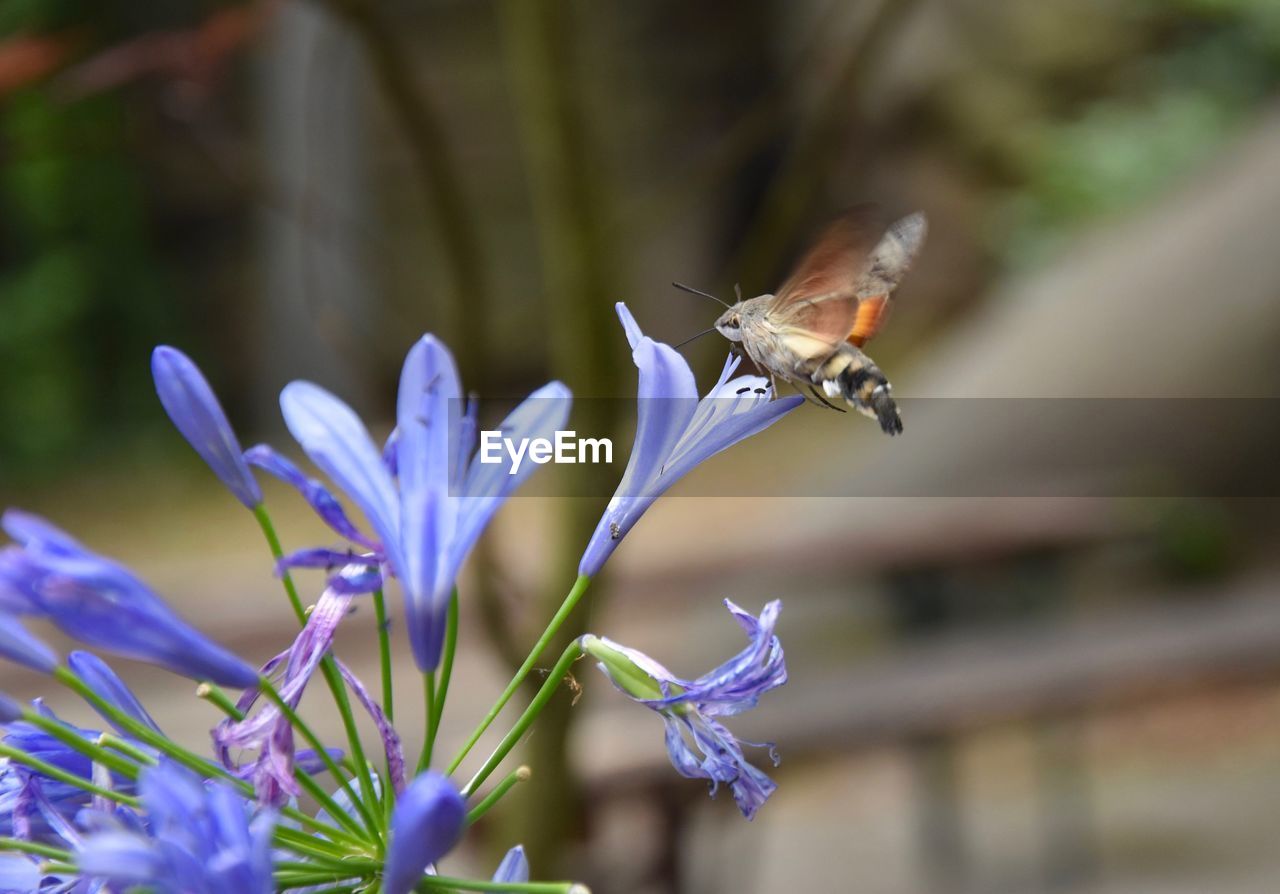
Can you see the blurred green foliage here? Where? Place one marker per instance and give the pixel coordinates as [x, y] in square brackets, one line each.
[1207, 65]
[83, 295]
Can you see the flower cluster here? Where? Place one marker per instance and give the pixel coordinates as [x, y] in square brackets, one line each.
[272, 806]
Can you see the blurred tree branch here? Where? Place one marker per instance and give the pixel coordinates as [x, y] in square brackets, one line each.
[808, 162]
[437, 164]
[580, 267]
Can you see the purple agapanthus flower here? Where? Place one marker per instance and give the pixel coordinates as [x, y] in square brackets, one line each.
[676, 431]
[34, 806]
[196, 413]
[102, 604]
[199, 838]
[429, 504]
[425, 825]
[698, 745]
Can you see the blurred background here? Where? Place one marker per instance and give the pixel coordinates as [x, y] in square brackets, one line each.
[1034, 643]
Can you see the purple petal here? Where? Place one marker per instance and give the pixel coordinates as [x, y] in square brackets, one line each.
[427, 418]
[194, 409]
[315, 493]
[486, 487]
[102, 604]
[110, 688]
[629, 324]
[19, 873]
[337, 442]
[737, 427]
[391, 746]
[514, 868]
[425, 825]
[18, 645]
[10, 710]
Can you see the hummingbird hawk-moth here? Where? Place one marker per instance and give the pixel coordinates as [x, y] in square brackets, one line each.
[811, 333]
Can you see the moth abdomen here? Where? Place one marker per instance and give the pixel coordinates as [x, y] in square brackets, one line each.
[851, 375]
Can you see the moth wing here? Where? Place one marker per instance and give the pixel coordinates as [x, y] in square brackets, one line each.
[887, 264]
[840, 290]
[820, 297]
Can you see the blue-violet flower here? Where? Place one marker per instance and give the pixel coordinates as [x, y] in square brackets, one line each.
[698, 745]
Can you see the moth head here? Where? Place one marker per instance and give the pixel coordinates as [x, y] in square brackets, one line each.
[730, 323]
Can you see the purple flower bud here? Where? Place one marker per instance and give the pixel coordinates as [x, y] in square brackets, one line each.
[195, 410]
[99, 677]
[425, 825]
[19, 646]
[514, 867]
[102, 604]
[9, 709]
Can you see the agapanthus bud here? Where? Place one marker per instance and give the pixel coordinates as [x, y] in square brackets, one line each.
[102, 604]
[99, 677]
[196, 413]
[10, 710]
[425, 825]
[514, 867]
[19, 646]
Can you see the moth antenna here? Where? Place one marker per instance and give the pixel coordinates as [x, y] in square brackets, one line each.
[682, 287]
[693, 337]
[737, 290]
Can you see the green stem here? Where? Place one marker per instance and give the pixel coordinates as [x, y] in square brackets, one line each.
[195, 763]
[520, 774]
[32, 847]
[336, 889]
[566, 608]
[570, 655]
[429, 713]
[435, 694]
[439, 882]
[115, 743]
[277, 552]
[384, 653]
[58, 867]
[309, 845]
[211, 693]
[270, 691]
[446, 664]
[73, 739]
[46, 769]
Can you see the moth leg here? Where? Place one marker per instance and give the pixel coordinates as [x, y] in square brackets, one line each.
[823, 402]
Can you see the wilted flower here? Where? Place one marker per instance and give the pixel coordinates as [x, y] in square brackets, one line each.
[425, 527]
[199, 838]
[425, 825]
[699, 746]
[196, 413]
[269, 730]
[101, 603]
[676, 431]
